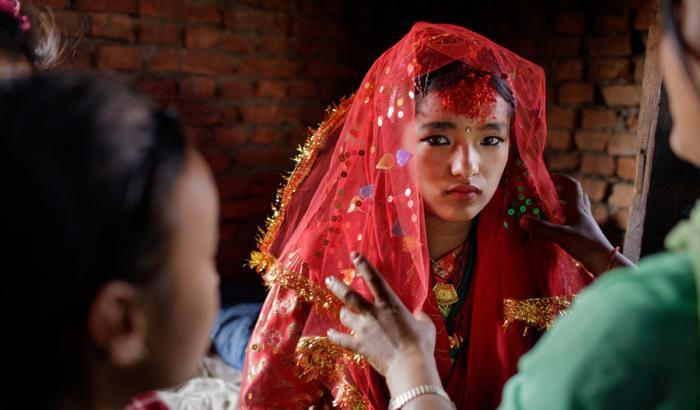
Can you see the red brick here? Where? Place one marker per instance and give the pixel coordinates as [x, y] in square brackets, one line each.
[559, 139]
[627, 167]
[622, 218]
[302, 88]
[257, 20]
[255, 155]
[576, 93]
[570, 70]
[598, 119]
[564, 162]
[205, 62]
[197, 87]
[232, 186]
[273, 43]
[238, 88]
[235, 135]
[202, 13]
[81, 59]
[594, 188]
[236, 43]
[113, 57]
[155, 32]
[202, 37]
[265, 183]
[200, 114]
[121, 6]
[623, 144]
[56, 4]
[218, 161]
[561, 117]
[638, 69]
[626, 95]
[71, 23]
[562, 47]
[272, 88]
[613, 23]
[622, 195]
[244, 208]
[631, 121]
[160, 8]
[591, 140]
[645, 15]
[270, 67]
[115, 26]
[610, 69]
[610, 46]
[166, 60]
[159, 89]
[570, 23]
[268, 135]
[601, 213]
[598, 165]
[270, 114]
[199, 135]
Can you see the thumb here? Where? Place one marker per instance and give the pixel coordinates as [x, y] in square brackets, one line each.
[548, 230]
[422, 316]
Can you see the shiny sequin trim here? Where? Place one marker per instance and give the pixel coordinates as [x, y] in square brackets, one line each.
[317, 358]
[306, 290]
[536, 312]
[304, 163]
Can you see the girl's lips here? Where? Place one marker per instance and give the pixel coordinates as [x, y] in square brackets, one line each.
[463, 191]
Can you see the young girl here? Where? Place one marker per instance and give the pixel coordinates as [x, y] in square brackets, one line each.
[109, 285]
[426, 171]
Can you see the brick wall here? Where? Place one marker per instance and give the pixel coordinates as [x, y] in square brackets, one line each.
[250, 76]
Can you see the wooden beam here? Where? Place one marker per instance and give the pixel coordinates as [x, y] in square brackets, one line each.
[646, 131]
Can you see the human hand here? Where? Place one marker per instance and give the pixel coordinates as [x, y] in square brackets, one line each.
[398, 344]
[579, 235]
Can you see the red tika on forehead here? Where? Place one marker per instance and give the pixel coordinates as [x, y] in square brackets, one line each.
[471, 96]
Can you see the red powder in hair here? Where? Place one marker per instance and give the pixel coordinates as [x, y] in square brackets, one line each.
[470, 96]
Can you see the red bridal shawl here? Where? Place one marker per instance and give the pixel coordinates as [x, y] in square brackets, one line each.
[355, 188]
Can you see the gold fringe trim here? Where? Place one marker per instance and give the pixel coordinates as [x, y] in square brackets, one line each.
[536, 312]
[305, 159]
[318, 358]
[306, 290]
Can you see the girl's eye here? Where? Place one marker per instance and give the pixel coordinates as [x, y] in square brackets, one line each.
[492, 141]
[436, 140]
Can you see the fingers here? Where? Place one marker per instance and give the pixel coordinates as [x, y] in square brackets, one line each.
[347, 295]
[381, 290]
[551, 231]
[342, 339]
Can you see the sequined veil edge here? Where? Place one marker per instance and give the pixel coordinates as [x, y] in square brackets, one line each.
[315, 357]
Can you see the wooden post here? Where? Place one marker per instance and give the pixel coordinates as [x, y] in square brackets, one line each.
[646, 131]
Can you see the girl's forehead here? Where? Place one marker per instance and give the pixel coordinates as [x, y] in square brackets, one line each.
[431, 106]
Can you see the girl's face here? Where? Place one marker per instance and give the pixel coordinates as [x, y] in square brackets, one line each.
[460, 159]
[683, 99]
[186, 301]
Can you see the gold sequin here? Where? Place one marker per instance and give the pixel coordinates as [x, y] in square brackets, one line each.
[536, 312]
[317, 358]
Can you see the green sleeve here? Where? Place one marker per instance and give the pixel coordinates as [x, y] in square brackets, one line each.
[630, 341]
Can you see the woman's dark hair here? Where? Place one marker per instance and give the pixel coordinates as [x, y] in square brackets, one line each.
[450, 74]
[41, 45]
[87, 171]
[673, 30]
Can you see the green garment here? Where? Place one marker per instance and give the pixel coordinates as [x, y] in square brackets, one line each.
[630, 341]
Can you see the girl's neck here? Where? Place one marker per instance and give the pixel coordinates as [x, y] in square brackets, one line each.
[444, 236]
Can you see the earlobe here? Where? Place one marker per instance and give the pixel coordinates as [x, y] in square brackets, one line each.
[117, 324]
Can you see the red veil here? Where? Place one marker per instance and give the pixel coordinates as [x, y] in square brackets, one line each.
[355, 188]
